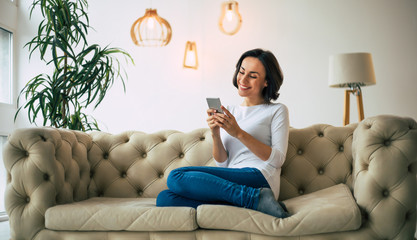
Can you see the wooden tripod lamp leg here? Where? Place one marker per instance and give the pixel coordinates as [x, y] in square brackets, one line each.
[346, 114]
[361, 115]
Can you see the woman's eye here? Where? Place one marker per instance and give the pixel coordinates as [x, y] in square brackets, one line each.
[252, 76]
[241, 72]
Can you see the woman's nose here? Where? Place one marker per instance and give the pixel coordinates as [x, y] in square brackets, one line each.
[244, 78]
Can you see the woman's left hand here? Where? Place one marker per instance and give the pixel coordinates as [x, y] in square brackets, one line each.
[228, 122]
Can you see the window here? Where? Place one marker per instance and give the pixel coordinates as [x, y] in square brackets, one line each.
[3, 177]
[8, 25]
[5, 66]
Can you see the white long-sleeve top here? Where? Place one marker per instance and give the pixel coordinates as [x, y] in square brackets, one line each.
[268, 123]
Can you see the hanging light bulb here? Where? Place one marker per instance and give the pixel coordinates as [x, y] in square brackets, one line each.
[230, 19]
[190, 55]
[151, 30]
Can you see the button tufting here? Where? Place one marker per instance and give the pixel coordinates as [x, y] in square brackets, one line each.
[43, 138]
[321, 171]
[321, 134]
[144, 155]
[300, 152]
[301, 191]
[46, 177]
[385, 193]
[91, 174]
[365, 216]
[27, 199]
[26, 153]
[407, 216]
[387, 142]
[140, 192]
[161, 175]
[181, 155]
[202, 138]
[124, 175]
[341, 148]
[106, 156]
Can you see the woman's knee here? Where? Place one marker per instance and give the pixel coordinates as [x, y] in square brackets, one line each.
[173, 178]
[165, 199]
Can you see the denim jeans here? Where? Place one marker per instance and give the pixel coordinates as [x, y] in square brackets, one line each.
[193, 186]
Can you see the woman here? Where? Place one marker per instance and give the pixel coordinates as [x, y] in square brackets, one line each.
[249, 146]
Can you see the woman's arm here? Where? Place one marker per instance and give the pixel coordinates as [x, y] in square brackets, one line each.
[228, 122]
[275, 153]
[219, 152]
[257, 147]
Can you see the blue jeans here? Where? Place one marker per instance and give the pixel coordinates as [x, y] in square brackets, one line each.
[193, 186]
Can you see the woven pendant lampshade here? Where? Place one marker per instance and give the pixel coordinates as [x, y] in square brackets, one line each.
[151, 30]
[230, 19]
[190, 56]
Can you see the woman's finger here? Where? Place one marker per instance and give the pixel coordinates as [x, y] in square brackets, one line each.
[227, 113]
[211, 111]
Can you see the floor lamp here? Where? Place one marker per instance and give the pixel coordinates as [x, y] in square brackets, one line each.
[353, 71]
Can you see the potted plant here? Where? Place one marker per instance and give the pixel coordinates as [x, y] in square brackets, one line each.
[82, 73]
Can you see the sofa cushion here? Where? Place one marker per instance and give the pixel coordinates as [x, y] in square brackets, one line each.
[328, 210]
[117, 214]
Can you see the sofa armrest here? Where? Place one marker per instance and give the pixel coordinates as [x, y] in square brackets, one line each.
[45, 167]
[384, 149]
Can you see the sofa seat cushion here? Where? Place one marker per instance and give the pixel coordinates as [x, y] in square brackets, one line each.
[119, 214]
[329, 210]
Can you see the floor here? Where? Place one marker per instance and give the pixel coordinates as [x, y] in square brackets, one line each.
[4, 230]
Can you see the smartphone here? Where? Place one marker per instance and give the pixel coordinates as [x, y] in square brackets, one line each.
[214, 103]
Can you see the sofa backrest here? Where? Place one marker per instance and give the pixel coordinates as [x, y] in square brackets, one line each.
[137, 164]
[318, 157]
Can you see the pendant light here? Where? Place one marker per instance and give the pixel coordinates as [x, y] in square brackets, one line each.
[230, 19]
[190, 55]
[151, 30]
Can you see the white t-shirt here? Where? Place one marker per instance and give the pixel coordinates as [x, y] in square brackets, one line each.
[268, 123]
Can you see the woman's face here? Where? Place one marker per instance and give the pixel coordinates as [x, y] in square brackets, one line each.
[251, 78]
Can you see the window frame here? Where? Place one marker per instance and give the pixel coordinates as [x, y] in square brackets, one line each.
[8, 21]
[11, 66]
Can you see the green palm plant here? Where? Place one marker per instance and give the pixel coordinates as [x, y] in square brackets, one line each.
[82, 73]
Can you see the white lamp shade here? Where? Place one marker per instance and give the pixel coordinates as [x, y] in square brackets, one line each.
[351, 69]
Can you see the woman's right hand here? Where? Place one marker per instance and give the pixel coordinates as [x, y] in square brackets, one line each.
[212, 122]
[219, 153]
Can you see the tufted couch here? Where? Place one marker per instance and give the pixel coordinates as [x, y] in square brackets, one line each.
[352, 182]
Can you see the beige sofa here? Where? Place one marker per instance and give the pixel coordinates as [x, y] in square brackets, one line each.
[353, 182]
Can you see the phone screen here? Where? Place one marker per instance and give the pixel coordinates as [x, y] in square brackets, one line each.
[215, 103]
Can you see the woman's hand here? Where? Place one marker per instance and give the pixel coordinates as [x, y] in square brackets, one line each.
[228, 122]
[212, 122]
[219, 153]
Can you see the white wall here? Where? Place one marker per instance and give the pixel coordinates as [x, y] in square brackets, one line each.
[302, 34]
